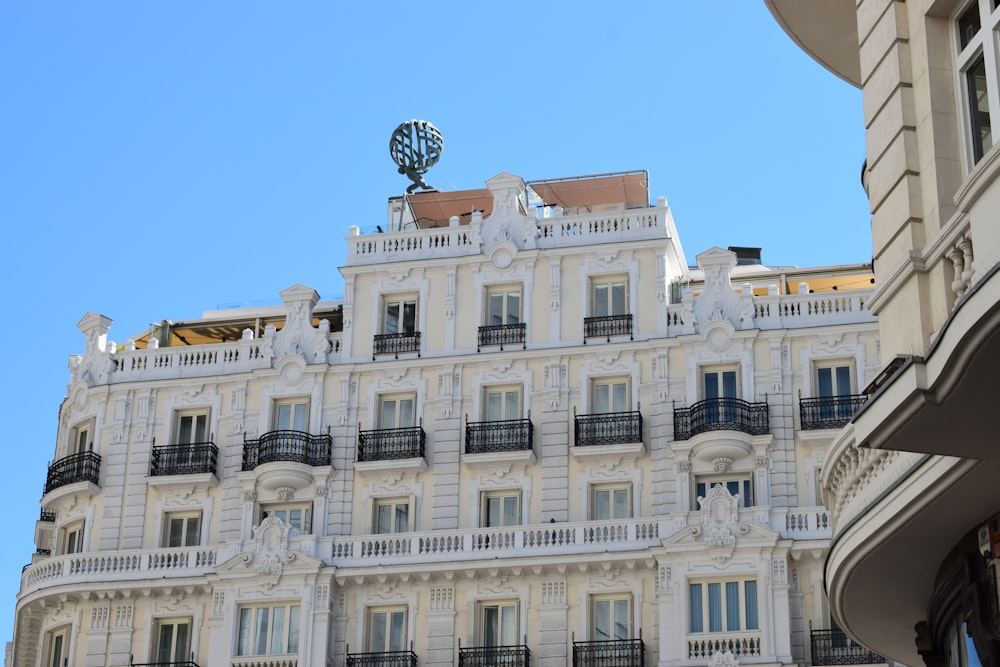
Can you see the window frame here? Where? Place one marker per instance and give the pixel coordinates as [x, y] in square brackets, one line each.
[719, 371]
[388, 645]
[293, 402]
[71, 537]
[611, 381]
[59, 636]
[81, 438]
[176, 653]
[248, 646]
[982, 46]
[268, 508]
[504, 391]
[400, 300]
[396, 397]
[744, 480]
[609, 281]
[610, 487]
[194, 413]
[833, 366]
[484, 512]
[482, 607]
[183, 516]
[600, 598]
[705, 604]
[504, 291]
[392, 502]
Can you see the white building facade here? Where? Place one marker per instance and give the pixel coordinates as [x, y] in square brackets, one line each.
[531, 435]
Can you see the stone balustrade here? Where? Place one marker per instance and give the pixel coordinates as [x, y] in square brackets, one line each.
[742, 645]
[790, 311]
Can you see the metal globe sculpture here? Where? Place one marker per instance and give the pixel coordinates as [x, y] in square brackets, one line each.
[415, 147]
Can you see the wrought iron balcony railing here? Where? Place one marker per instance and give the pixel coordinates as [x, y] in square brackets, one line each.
[294, 446]
[721, 414]
[182, 663]
[829, 411]
[502, 334]
[607, 326]
[611, 653]
[833, 647]
[396, 343]
[387, 444]
[609, 428]
[82, 467]
[494, 656]
[197, 457]
[385, 659]
[46, 515]
[511, 435]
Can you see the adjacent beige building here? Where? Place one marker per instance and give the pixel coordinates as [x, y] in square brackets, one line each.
[912, 482]
[529, 433]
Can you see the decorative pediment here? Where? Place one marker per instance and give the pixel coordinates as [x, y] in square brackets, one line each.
[719, 304]
[719, 529]
[269, 554]
[723, 659]
[298, 337]
[508, 229]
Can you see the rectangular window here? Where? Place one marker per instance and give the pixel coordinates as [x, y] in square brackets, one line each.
[610, 297]
[834, 380]
[268, 630]
[386, 630]
[498, 624]
[977, 28]
[979, 109]
[723, 606]
[399, 315]
[57, 653]
[173, 641]
[501, 508]
[502, 404]
[392, 515]
[719, 383]
[182, 529]
[396, 411]
[740, 485]
[192, 427]
[291, 415]
[72, 538]
[612, 618]
[503, 306]
[80, 440]
[610, 501]
[296, 515]
[610, 395]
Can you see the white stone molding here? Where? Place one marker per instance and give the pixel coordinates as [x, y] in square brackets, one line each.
[398, 281]
[193, 498]
[442, 599]
[829, 348]
[553, 594]
[609, 261]
[501, 478]
[609, 472]
[521, 273]
[608, 363]
[501, 373]
[384, 595]
[700, 356]
[398, 484]
[396, 381]
[309, 387]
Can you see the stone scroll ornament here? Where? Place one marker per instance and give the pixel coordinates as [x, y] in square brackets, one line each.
[415, 147]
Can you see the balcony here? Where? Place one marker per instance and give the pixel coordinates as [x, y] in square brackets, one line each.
[608, 428]
[607, 326]
[494, 656]
[292, 446]
[721, 414]
[182, 663]
[46, 515]
[742, 645]
[833, 647]
[391, 444]
[192, 459]
[613, 653]
[511, 435]
[829, 411]
[502, 334]
[82, 467]
[396, 343]
[384, 659]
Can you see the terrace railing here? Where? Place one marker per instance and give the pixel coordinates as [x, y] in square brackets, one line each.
[502, 334]
[511, 435]
[82, 467]
[396, 343]
[191, 459]
[294, 446]
[609, 653]
[721, 414]
[833, 647]
[829, 411]
[607, 326]
[383, 659]
[388, 444]
[609, 428]
[494, 656]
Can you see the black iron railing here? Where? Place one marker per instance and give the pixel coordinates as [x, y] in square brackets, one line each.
[611, 653]
[833, 647]
[43, 552]
[83, 467]
[182, 663]
[829, 411]
[396, 343]
[294, 446]
[46, 515]
[387, 444]
[502, 334]
[494, 656]
[385, 659]
[720, 414]
[609, 428]
[511, 435]
[607, 326]
[197, 457]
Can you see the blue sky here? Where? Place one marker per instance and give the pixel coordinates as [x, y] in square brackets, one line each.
[162, 159]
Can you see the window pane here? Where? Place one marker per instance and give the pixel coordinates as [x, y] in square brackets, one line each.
[193, 534]
[621, 504]
[284, 417]
[732, 606]
[405, 413]
[746, 500]
[490, 626]
[968, 25]
[388, 419]
[243, 643]
[176, 530]
[392, 317]
[164, 649]
[278, 631]
[377, 643]
[512, 411]
[383, 519]
[843, 380]
[729, 384]
[508, 632]
[601, 301]
[402, 518]
[979, 107]
[620, 403]
[715, 607]
[602, 620]
[510, 517]
[181, 646]
[409, 317]
[621, 619]
[494, 406]
[397, 633]
[618, 299]
[825, 381]
[184, 436]
[750, 590]
[293, 629]
[301, 416]
[200, 428]
[493, 512]
[711, 385]
[602, 505]
[696, 611]
[513, 307]
[495, 316]
[602, 398]
[260, 632]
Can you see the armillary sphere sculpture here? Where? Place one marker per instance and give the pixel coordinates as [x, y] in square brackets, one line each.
[415, 147]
